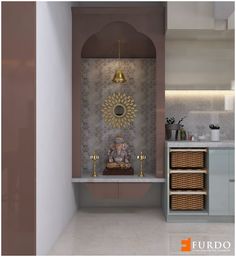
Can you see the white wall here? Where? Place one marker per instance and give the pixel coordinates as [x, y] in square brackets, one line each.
[190, 15]
[55, 195]
[199, 64]
[199, 15]
[231, 21]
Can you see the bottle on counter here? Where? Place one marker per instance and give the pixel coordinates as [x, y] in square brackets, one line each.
[181, 134]
[178, 135]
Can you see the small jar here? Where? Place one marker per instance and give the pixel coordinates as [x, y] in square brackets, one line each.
[215, 135]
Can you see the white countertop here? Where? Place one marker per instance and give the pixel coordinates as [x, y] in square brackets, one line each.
[148, 178]
[210, 144]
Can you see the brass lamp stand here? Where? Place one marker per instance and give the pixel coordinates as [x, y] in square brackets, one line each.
[141, 157]
[94, 158]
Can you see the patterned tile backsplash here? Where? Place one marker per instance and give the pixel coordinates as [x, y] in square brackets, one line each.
[201, 109]
[96, 85]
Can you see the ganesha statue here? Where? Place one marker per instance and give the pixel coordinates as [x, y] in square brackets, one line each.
[118, 158]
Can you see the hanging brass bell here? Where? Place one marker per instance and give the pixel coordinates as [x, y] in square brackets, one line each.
[119, 77]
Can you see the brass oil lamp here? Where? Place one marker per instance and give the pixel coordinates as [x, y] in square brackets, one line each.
[94, 158]
[141, 157]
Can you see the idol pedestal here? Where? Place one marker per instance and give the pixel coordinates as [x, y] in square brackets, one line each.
[118, 171]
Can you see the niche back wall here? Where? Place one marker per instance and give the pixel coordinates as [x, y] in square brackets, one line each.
[96, 85]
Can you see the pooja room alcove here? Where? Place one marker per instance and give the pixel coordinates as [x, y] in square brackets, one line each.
[95, 61]
[97, 71]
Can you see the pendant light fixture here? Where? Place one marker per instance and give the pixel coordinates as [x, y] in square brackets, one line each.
[119, 75]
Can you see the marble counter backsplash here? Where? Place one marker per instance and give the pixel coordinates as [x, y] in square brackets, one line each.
[201, 110]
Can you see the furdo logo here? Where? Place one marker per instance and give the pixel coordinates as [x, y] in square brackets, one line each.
[187, 245]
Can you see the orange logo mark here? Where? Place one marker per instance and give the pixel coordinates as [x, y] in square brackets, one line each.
[186, 245]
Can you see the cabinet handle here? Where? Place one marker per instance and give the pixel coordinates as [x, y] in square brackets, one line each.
[231, 180]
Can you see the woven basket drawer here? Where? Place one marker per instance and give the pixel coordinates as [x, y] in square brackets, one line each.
[187, 202]
[187, 160]
[187, 181]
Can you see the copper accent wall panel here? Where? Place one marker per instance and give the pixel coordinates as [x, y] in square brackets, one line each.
[18, 128]
[149, 21]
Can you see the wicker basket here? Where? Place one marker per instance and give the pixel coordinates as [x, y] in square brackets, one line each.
[187, 181]
[187, 202]
[187, 160]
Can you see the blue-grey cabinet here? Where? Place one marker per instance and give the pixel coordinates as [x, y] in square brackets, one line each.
[221, 182]
[231, 182]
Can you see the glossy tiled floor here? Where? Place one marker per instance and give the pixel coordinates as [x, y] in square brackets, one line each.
[135, 231]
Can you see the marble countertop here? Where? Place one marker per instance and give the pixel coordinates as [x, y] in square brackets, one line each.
[210, 144]
[148, 178]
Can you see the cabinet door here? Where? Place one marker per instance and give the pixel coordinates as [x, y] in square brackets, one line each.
[231, 182]
[133, 190]
[218, 182]
[231, 164]
[231, 197]
[103, 190]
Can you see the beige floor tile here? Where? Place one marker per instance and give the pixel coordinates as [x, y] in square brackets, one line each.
[134, 231]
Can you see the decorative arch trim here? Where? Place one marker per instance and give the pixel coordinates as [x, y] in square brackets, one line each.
[104, 43]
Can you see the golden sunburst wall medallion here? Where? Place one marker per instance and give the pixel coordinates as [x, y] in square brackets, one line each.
[119, 110]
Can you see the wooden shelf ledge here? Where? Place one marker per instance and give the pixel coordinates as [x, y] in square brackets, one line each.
[118, 179]
[185, 213]
[189, 171]
[188, 192]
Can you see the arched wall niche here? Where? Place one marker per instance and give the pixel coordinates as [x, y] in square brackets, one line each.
[104, 43]
[86, 22]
